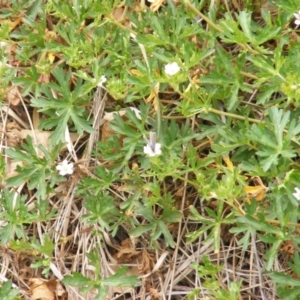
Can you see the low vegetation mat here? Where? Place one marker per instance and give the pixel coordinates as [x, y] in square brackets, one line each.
[149, 149]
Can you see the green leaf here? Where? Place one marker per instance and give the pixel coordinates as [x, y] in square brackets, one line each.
[46, 248]
[279, 121]
[34, 9]
[234, 99]
[259, 225]
[149, 39]
[272, 159]
[139, 230]
[272, 254]
[77, 279]
[162, 229]
[7, 292]
[102, 292]
[118, 279]
[245, 22]
[264, 64]
[282, 278]
[289, 293]
[60, 122]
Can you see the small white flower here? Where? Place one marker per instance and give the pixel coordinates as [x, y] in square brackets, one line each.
[102, 80]
[297, 194]
[153, 152]
[152, 148]
[172, 68]
[65, 168]
[297, 16]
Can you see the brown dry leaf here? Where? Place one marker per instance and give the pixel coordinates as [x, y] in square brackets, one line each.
[126, 255]
[46, 289]
[258, 191]
[35, 118]
[180, 191]
[44, 78]
[15, 137]
[154, 294]
[13, 115]
[153, 96]
[108, 117]
[236, 5]
[293, 36]
[41, 289]
[10, 138]
[147, 263]
[12, 125]
[11, 24]
[228, 162]
[59, 290]
[119, 14]
[42, 137]
[50, 36]
[288, 247]
[156, 4]
[13, 96]
[11, 166]
[51, 57]
[106, 131]
[136, 72]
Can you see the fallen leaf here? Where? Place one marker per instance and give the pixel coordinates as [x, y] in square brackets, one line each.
[257, 191]
[15, 137]
[147, 263]
[136, 72]
[40, 289]
[44, 78]
[51, 57]
[228, 162]
[11, 24]
[119, 14]
[108, 117]
[156, 4]
[154, 294]
[13, 96]
[154, 96]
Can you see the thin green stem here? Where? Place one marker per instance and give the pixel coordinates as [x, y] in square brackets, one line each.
[202, 16]
[218, 112]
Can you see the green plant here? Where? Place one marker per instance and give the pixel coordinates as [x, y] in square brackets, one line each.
[173, 126]
[100, 284]
[7, 292]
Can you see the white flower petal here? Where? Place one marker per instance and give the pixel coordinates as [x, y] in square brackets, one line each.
[297, 194]
[65, 168]
[149, 151]
[172, 68]
[158, 148]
